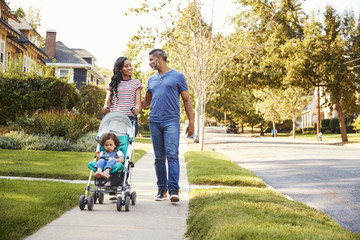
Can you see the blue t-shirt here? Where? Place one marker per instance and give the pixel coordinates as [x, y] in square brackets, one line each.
[165, 91]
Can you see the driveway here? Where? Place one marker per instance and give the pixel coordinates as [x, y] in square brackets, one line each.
[325, 177]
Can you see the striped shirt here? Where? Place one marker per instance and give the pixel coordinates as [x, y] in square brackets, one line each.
[125, 99]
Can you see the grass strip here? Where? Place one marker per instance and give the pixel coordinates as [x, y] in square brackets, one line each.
[26, 206]
[256, 213]
[50, 164]
[211, 168]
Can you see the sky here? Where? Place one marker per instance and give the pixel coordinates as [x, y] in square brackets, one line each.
[103, 29]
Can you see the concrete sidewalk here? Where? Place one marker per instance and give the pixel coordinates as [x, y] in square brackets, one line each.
[148, 219]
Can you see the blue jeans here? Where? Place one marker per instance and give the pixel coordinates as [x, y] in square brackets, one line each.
[104, 164]
[165, 138]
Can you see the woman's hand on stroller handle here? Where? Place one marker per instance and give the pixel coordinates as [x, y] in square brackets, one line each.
[105, 110]
[135, 111]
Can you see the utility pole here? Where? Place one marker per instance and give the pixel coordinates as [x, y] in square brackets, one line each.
[318, 127]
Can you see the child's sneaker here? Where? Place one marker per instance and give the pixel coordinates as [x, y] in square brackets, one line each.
[98, 173]
[105, 175]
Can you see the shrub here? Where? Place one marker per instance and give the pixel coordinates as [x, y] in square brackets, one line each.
[21, 140]
[86, 143]
[60, 123]
[356, 124]
[24, 92]
[7, 142]
[92, 100]
[334, 125]
[325, 125]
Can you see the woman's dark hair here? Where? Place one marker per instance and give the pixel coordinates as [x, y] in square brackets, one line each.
[117, 77]
[108, 136]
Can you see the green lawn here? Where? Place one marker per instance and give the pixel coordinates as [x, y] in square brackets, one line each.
[211, 168]
[26, 206]
[248, 212]
[352, 137]
[52, 164]
[256, 213]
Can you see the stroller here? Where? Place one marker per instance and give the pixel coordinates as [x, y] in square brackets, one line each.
[120, 175]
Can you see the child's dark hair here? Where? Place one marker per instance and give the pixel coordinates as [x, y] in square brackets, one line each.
[108, 136]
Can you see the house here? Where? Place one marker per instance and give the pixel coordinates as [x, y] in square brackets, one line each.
[76, 64]
[17, 41]
[309, 114]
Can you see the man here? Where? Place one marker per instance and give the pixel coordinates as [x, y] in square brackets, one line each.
[163, 91]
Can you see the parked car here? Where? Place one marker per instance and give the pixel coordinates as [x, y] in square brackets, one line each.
[232, 128]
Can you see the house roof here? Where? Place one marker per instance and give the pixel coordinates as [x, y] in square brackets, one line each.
[20, 39]
[68, 57]
[83, 53]
[22, 25]
[64, 54]
[9, 28]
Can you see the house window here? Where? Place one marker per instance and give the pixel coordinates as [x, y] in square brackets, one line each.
[67, 73]
[64, 73]
[26, 64]
[88, 79]
[2, 55]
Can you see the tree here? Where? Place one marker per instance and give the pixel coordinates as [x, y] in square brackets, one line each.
[194, 47]
[293, 102]
[269, 106]
[318, 61]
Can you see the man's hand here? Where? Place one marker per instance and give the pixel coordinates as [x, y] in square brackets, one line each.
[190, 129]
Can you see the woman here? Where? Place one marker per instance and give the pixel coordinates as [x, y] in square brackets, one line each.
[123, 93]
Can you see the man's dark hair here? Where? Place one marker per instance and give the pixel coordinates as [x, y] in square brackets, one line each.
[159, 53]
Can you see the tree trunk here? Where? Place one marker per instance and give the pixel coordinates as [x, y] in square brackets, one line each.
[225, 119]
[252, 128]
[341, 121]
[202, 127]
[318, 127]
[294, 126]
[242, 128]
[262, 129]
[274, 127]
[197, 120]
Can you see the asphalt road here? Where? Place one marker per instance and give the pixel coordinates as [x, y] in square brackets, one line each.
[325, 177]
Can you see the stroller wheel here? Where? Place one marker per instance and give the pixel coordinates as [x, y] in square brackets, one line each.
[90, 202]
[94, 195]
[101, 198]
[82, 202]
[133, 198]
[127, 203]
[119, 203]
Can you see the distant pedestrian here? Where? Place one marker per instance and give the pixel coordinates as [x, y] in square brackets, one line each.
[163, 91]
[123, 92]
[320, 136]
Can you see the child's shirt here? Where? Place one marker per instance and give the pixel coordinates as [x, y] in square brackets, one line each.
[108, 155]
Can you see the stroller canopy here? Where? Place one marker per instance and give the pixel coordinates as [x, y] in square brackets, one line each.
[116, 122]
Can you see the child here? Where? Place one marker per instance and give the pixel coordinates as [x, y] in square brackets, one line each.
[109, 157]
